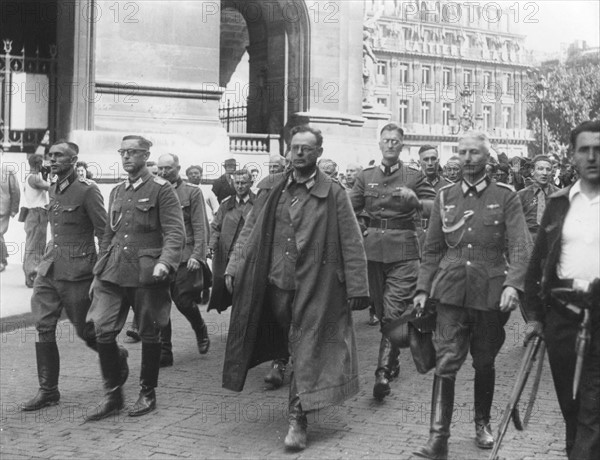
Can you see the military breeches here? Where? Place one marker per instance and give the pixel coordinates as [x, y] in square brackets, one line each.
[392, 288]
[460, 330]
[49, 298]
[36, 225]
[110, 306]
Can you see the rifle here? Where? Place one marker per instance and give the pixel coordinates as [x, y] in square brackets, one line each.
[534, 351]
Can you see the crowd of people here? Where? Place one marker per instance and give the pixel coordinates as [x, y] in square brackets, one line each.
[440, 255]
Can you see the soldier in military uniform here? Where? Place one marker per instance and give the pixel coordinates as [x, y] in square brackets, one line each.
[140, 254]
[186, 290]
[390, 195]
[476, 225]
[76, 214]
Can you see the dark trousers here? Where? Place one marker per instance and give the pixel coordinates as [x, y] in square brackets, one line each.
[460, 330]
[281, 302]
[110, 306]
[581, 415]
[49, 298]
[4, 220]
[392, 288]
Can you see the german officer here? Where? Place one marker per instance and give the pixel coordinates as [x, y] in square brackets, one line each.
[389, 195]
[140, 252]
[474, 224]
[65, 273]
[186, 290]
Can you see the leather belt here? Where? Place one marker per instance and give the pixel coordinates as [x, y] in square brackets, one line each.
[393, 224]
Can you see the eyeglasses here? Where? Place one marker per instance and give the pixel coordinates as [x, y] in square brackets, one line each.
[302, 148]
[394, 142]
[130, 152]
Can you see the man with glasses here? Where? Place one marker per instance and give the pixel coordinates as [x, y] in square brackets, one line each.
[299, 268]
[390, 196]
[140, 253]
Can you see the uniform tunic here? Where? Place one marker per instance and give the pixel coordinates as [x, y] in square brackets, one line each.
[145, 228]
[477, 243]
[76, 214]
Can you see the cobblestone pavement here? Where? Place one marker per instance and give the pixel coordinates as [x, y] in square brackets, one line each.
[196, 418]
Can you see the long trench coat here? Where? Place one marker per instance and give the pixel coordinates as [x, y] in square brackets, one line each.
[331, 268]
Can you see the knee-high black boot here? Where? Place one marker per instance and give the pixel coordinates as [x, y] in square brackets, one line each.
[166, 351]
[48, 367]
[383, 372]
[442, 405]
[484, 395]
[194, 316]
[148, 379]
[111, 366]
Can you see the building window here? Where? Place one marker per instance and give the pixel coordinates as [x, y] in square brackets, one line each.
[487, 81]
[508, 87]
[403, 73]
[446, 76]
[487, 117]
[426, 75]
[382, 72]
[403, 112]
[446, 110]
[507, 117]
[408, 33]
[425, 109]
[383, 101]
[467, 78]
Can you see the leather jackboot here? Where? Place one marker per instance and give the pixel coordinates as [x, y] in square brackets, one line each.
[202, 338]
[296, 437]
[382, 374]
[124, 367]
[166, 351]
[111, 366]
[484, 395]
[277, 373]
[394, 362]
[48, 367]
[442, 405]
[148, 380]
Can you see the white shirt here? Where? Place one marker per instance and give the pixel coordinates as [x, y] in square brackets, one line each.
[580, 253]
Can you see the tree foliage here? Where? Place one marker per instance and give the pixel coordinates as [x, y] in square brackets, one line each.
[572, 96]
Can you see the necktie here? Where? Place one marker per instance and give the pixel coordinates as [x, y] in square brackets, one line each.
[541, 206]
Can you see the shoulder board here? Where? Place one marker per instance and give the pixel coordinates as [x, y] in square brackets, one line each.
[506, 186]
[368, 167]
[191, 185]
[226, 199]
[85, 181]
[414, 167]
[160, 180]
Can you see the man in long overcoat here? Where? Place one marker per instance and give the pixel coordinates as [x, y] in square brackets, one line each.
[298, 269]
[225, 229]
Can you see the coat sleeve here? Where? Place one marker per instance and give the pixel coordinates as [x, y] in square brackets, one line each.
[425, 193]
[199, 227]
[534, 304]
[94, 207]
[434, 249]
[173, 228]
[215, 228]
[357, 194]
[238, 251]
[353, 252]
[108, 231]
[519, 242]
[15, 194]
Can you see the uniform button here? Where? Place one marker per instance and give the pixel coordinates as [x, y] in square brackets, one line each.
[56, 214]
[468, 262]
[289, 239]
[129, 210]
[470, 194]
[126, 224]
[382, 196]
[125, 236]
[291, 225]
[125, 248]
[56, 234]
[495, 222]
[83, 254]
[129, 199]
[470, 229]
[469, 246]
[56, 245]
[287, 253]
[385, 185]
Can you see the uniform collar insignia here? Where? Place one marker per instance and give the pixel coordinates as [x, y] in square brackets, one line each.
[479, 187]
[387, 170]
[63, 184]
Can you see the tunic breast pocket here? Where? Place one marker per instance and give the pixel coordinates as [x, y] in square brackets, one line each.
[70, 215]
[370, 196]
[495, 217]
[144, 217]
